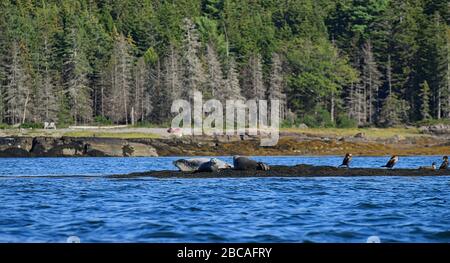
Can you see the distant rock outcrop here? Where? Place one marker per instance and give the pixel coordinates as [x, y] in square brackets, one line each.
[72, 147]
[438, 129]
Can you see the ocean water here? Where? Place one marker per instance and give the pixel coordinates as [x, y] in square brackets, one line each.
[50, 199]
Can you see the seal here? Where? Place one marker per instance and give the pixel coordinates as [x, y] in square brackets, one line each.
[244, 163]
[391, 162]
[211, 166]
[191, 165]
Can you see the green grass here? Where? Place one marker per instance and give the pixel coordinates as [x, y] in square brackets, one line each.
[118, 135]
[151, 125]
[369, 132]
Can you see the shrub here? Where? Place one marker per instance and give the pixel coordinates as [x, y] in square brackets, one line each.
[102, 120]
[31, 125]
[343, 121]
[320, 119]
[4, 126]
[432, 122]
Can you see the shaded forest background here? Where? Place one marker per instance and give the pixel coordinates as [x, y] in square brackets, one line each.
[332, 63]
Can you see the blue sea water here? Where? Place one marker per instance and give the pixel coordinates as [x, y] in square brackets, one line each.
[50, 199]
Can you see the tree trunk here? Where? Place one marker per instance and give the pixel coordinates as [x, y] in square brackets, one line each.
[439, 104]
[124, 94]
[132, 116]
[25, 107]
[389, 75]
[102, 99]
[332, 107]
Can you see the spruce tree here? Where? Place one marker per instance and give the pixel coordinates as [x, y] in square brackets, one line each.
[232, 89]
[18, 86]
[75, 78]
[172, 74]
[215, 75]
[276, 84]
[425, 101]
[46, 91]
[194, 77]
[121, 80]
[371, 81]
[253, 87]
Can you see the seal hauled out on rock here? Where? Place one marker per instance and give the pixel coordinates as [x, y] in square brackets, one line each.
[210, 166]
[193, 164]
[244, 163]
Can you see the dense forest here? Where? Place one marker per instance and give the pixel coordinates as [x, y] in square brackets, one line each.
[331, 63]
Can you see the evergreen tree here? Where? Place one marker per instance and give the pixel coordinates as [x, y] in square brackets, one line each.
[371, 81]
[425, 98]
[18, 88]
[46, 92]
[141, 97]
[75, 78]
[121, 66]
[173, 74]
[215, 75]
[394, 111]
[276, 86]
[159, 95]
[194, 75]
[339, 57]
[232, 89]
[254, 85]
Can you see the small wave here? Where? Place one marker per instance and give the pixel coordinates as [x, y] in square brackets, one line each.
[51, 176]
[267, 238]
[95, 222]
[430, 200]
[365, 205]
[161, 234]
[209, 237]
[320, 193]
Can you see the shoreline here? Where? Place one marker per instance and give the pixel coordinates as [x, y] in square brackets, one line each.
[291, 143]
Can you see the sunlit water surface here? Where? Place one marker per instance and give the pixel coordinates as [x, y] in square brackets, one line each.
[50, 199]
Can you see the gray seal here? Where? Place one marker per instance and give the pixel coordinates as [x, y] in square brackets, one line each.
[211, 166]
[244, 163]
[193, 164]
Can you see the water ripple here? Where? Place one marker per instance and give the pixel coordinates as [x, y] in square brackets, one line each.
[40, 201]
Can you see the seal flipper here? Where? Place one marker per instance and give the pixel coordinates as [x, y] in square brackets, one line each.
[263, 166]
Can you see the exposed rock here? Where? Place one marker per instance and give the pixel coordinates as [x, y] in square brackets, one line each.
[108, 147]
[290, 171]
[41, 145]
[424, 129]
[14, 152]
[71, 152]
[397, 138]
[143, 150]
[360, 135]
[24, 143]
[212, 146]
[127, 150]
[303, 126]
[435, 129]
